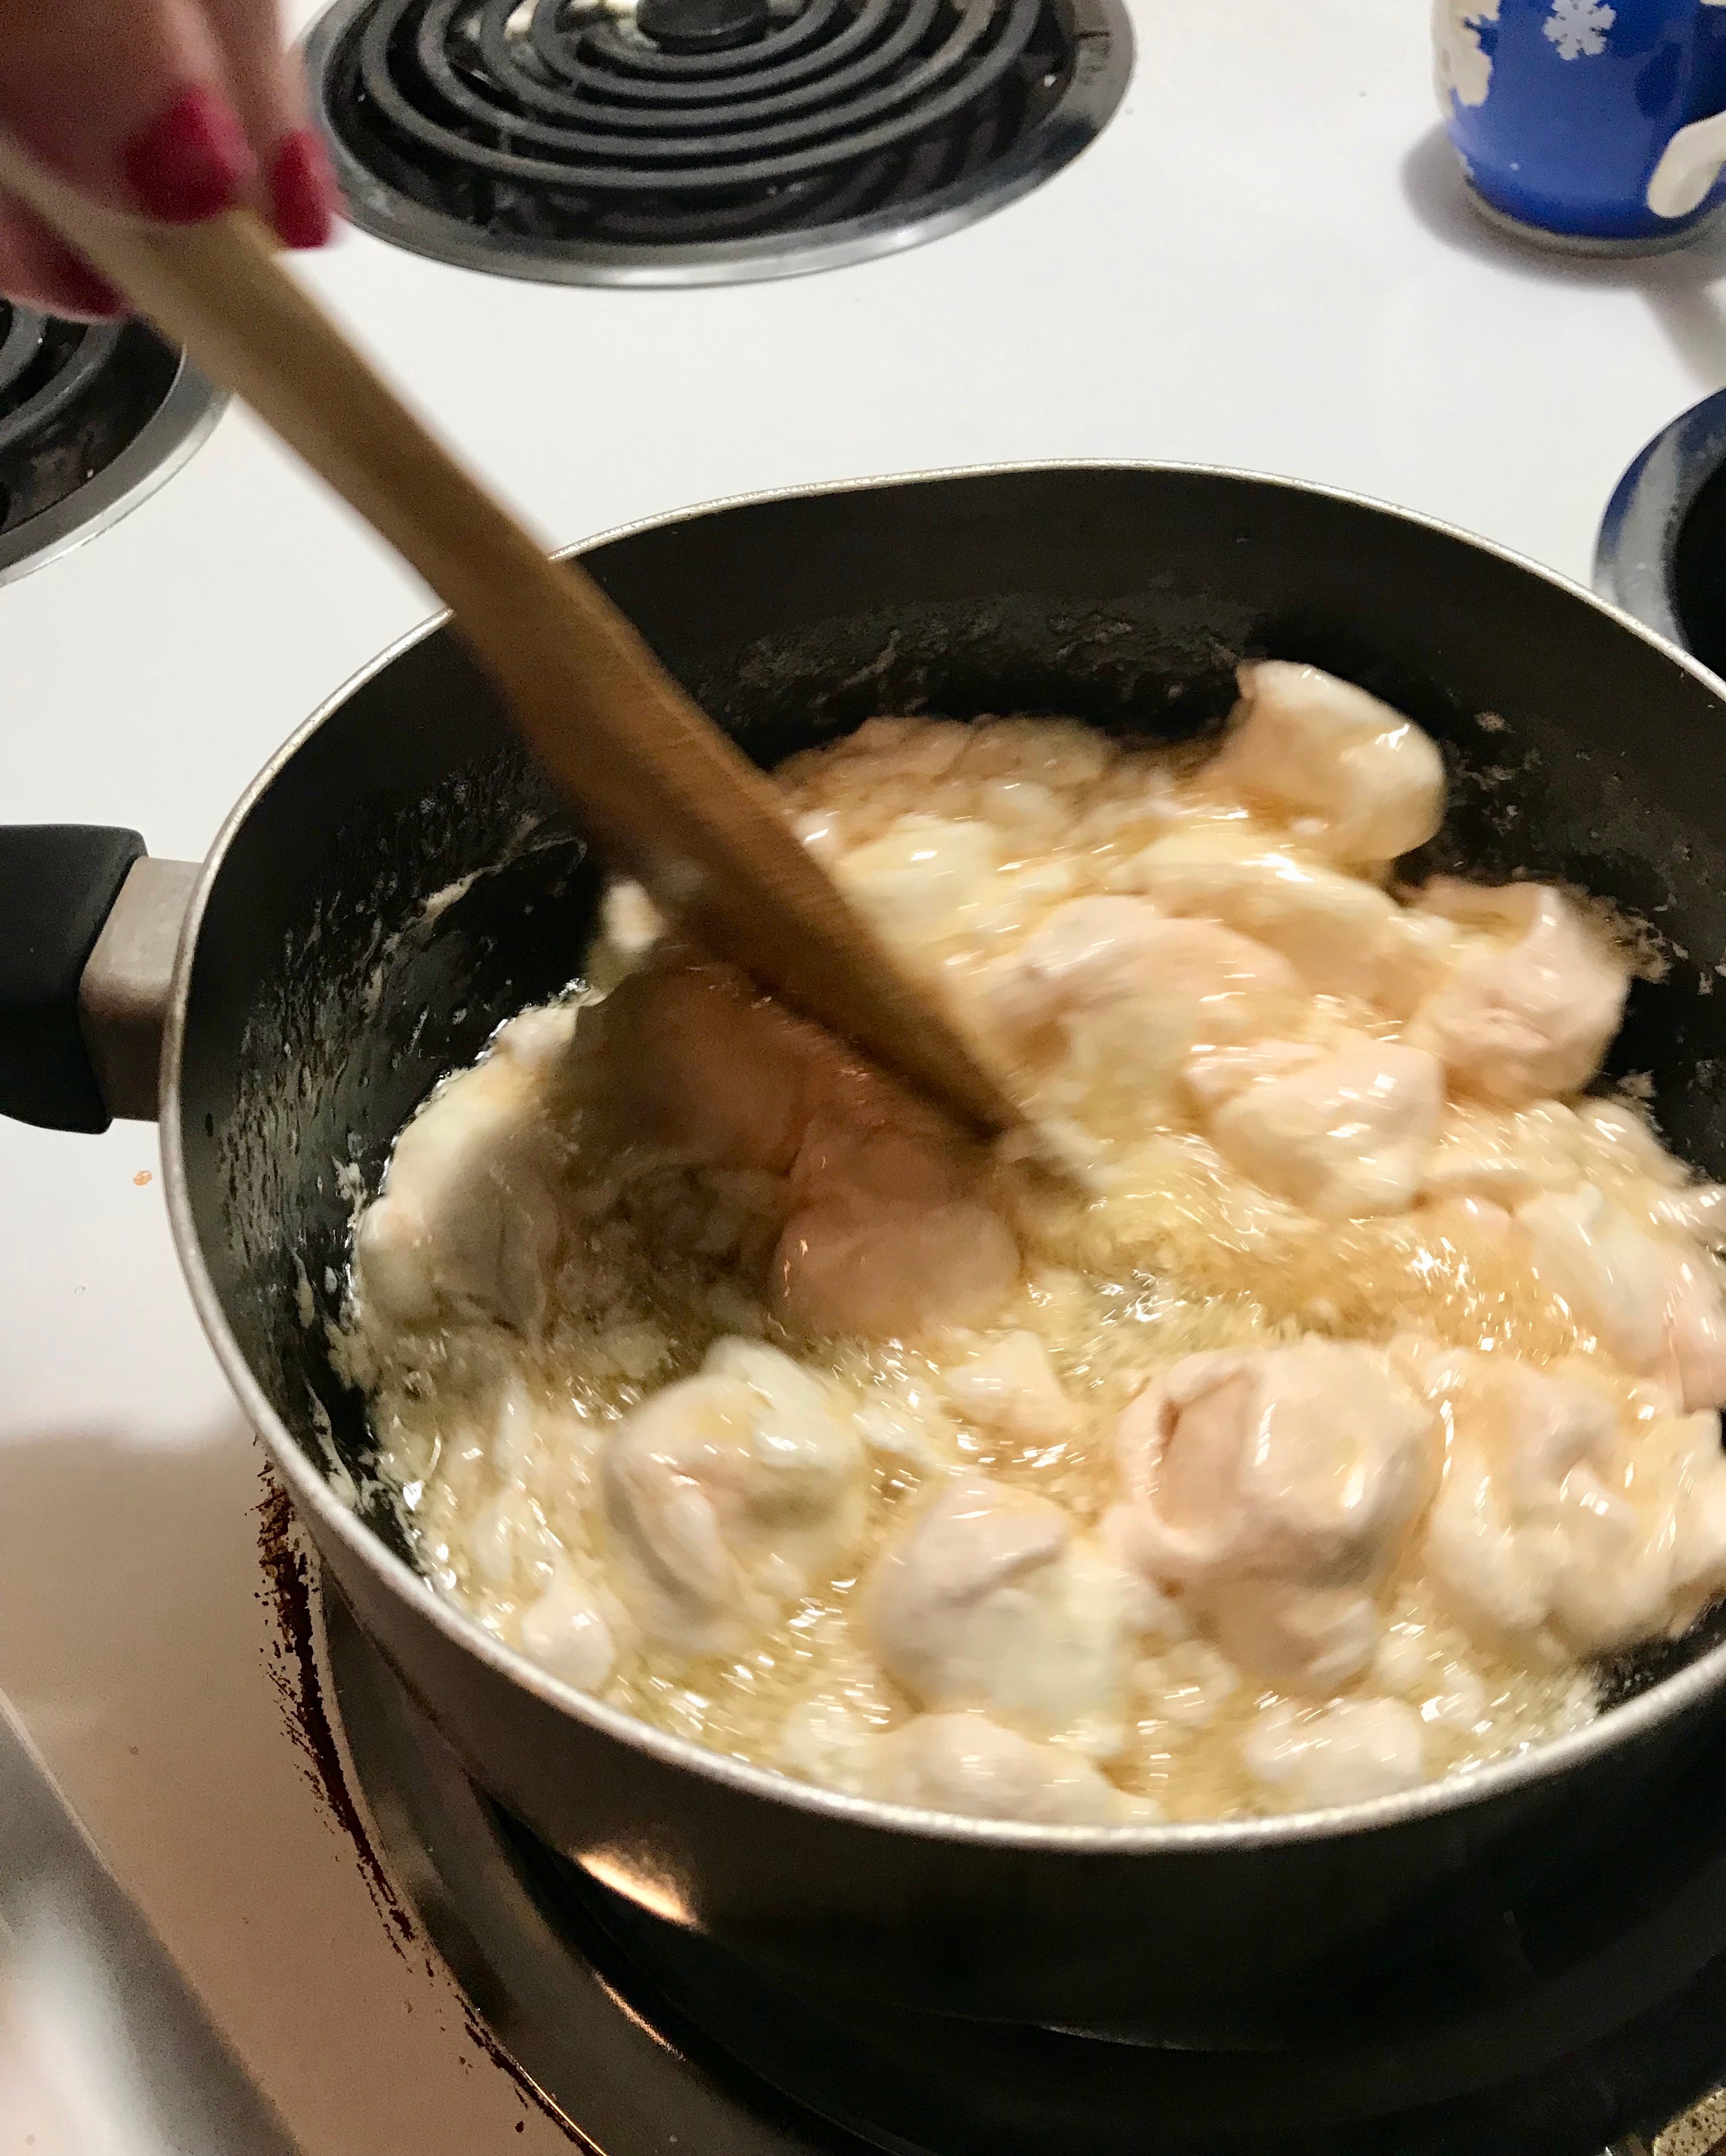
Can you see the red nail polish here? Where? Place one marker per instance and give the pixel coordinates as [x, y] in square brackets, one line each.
[79, 291]
[302, 191]
[191, 160]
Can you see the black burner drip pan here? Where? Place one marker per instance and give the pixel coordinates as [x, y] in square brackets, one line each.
[681, 141]
[1582, 2014]
[92, 416]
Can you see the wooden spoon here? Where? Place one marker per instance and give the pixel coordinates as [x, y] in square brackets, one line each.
[662, 787]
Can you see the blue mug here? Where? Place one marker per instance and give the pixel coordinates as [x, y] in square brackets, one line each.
[1598, 124]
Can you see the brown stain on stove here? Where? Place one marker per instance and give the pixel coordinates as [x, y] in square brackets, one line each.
[525, 2085]
[294, 1673]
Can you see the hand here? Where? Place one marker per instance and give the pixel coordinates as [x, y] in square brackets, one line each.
[179, 108]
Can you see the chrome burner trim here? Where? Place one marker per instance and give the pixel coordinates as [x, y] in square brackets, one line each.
[1636, 553]
[178, 424]
[1102, 67]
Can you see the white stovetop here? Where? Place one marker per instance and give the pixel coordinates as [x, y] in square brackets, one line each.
[1264, 262]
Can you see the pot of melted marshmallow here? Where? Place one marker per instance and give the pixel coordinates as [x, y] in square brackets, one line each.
[1133, 1604]
[1364, 1398]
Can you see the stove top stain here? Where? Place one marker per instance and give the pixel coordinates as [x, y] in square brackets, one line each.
[293, 1670]
[291, 1594]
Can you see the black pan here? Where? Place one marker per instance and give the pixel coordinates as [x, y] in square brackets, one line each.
[312, 1007]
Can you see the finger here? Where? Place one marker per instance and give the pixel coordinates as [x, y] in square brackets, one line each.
[298, 188]
[303, 195]
[127, 100]
[38, 269]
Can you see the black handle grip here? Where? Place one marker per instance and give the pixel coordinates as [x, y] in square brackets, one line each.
[58, 884]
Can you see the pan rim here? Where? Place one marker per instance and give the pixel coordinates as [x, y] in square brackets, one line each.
[313, 1493]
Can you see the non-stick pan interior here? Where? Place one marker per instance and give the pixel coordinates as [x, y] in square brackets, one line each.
[347, 962]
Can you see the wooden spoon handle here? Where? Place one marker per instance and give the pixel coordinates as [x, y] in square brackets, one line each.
[658, 783]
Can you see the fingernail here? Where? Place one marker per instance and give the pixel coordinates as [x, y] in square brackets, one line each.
[302, 191]
[80, 291]
[191, 160]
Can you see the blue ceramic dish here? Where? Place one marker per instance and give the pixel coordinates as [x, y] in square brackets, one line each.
[1600, 124]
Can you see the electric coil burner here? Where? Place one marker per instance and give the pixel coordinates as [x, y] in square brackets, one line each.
[1578, 2011]
[92, 416]
[694, 142]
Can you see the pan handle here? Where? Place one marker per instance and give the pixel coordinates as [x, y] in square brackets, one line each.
[88, 925]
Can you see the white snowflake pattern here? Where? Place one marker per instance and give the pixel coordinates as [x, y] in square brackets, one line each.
[1462, 70]
[1579, 27]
